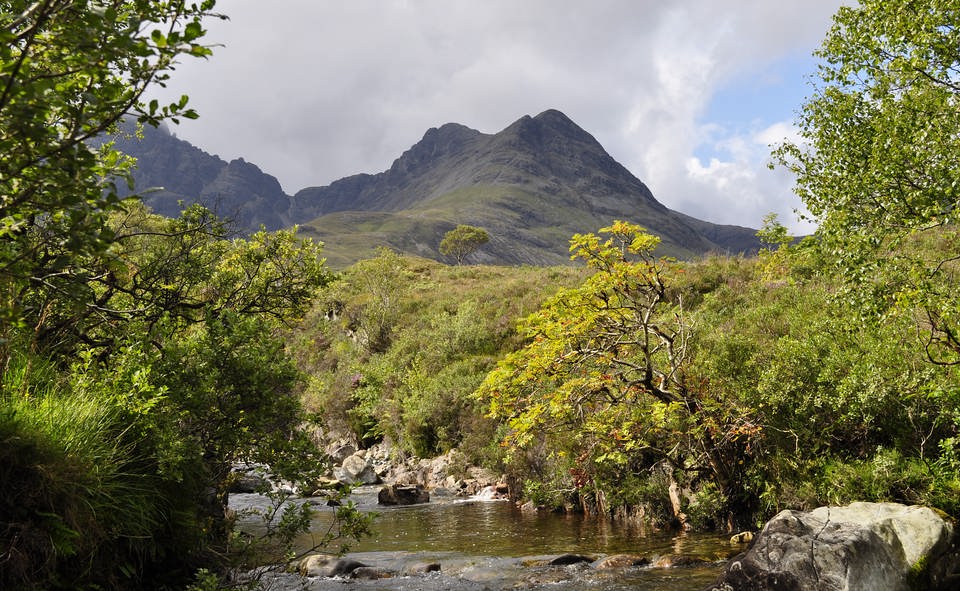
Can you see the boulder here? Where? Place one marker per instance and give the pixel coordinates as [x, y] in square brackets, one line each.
[621, 561]
[403, 494]
[678, 560]
[860, 547]
[568, 559]
[341, 450]
[246, 482]
[326, 565]
[421, 568]
[407, 475]
[323, 486]
[356, 469]
[372, 573]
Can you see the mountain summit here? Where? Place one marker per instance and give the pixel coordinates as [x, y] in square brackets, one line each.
[531, 186]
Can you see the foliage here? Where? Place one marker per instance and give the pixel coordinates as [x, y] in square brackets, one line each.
[797, 398]
[182, 352]
[73, 499]
[604, 376]
[442, 329]
[68, 72]
[876, 163]
[775, 396]
[463, 241]
[823, 391]
[141, 356]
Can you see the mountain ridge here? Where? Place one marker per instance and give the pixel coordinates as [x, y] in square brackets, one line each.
[531, 186]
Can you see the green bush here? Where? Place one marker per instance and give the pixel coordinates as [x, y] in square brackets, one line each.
[889, 475]
[437, 331]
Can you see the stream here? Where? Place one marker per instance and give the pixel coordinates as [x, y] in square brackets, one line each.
[490, 545]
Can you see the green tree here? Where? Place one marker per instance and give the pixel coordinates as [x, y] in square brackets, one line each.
[604, 376]
[179, 343]
[147, 345]
[776, 251]
[876, 166]
[463, 241]
[69, 71]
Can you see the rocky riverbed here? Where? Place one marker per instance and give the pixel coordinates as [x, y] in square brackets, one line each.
[443, 524]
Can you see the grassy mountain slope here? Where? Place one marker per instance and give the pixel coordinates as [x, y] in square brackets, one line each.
[531, 186]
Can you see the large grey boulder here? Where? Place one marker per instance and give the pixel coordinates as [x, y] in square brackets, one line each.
[357, 469]
[860, 547]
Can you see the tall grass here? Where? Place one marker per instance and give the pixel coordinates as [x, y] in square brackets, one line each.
[72, 503]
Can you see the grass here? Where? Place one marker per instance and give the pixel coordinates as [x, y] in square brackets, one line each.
[71, 502]
[448, 326]
[526, 226]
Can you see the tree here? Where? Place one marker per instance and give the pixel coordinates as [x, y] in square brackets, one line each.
[69, 71]
[604, 376]
[876, 166]
[776, 251]
[178, 341]
[139, 356]
[463, 241]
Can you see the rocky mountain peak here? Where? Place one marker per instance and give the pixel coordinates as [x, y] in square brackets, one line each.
[548, 130]
[531, 186]
[448, 139]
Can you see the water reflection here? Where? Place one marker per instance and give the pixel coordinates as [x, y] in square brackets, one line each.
[495, 545]
[498, 528]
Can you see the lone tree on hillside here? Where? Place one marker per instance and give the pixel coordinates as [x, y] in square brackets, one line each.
[463, 241]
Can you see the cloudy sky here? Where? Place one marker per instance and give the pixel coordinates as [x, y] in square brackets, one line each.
[687, 94]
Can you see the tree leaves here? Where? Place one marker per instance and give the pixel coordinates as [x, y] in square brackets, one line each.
[877, 167]
[603, 376]
[463, 241]
[69, 72]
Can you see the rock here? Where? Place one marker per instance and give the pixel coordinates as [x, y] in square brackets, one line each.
[400, 494]
[322, 486]
[531, 507]
[340, 451]
[246, 482]
[567, 559]
[326, 565]
[677, 561]
[621, 561]
[441, 492]
[408, 475]
[491, 493]
[420, 568]
[860, 547]
[372, 573]
[356, 469]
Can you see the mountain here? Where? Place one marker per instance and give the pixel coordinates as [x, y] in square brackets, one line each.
[531, 186]
[170, 170]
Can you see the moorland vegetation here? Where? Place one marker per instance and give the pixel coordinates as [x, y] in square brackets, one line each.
[142, 357]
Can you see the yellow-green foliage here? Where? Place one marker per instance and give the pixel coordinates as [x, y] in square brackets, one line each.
[749, 381]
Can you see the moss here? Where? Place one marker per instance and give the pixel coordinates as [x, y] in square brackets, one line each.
[918, 579]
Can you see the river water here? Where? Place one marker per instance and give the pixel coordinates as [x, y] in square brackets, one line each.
[484, 545]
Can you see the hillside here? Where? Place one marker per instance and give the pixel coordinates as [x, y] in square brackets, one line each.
[531, 186]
